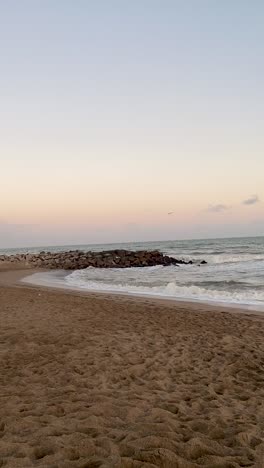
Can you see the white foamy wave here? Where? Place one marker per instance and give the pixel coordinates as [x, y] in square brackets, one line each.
[222, 258]
[171, 289]
[226, 258]
[234, 273]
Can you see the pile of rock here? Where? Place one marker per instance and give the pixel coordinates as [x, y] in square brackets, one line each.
[76, 259]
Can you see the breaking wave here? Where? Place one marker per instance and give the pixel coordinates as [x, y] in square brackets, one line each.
[154, 284]
[234, 273]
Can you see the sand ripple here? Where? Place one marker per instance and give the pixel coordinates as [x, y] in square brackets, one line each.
[98, 382]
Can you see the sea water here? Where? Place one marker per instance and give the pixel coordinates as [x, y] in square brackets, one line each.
[234, 273]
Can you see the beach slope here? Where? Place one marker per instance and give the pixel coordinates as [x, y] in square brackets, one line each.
[101, 381]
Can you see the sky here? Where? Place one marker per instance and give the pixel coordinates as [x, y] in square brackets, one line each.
[115, 113]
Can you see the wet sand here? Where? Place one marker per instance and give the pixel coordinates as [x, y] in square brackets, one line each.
[90, 380]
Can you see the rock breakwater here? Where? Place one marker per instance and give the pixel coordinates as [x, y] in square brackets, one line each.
[76, 259]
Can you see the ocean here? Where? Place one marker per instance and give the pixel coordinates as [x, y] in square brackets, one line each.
[234, 273]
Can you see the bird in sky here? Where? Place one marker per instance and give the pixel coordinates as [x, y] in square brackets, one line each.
[170, 212]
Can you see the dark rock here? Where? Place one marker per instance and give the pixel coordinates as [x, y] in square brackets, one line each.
[76, 259]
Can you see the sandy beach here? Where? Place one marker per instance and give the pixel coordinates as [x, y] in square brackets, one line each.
[110, 381]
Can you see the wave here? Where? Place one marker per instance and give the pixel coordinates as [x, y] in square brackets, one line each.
[225, 258]
[171, 289]
[220, 258]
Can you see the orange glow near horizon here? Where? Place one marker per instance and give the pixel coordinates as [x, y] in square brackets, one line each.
[129, 116]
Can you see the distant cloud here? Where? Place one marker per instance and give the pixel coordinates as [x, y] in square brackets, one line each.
[217, 208]
[251, 200]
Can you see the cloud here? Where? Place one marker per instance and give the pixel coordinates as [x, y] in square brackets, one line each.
[251, 200]
[217, 208]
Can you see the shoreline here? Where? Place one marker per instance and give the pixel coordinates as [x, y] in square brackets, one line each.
[118, 380]
[14, 276]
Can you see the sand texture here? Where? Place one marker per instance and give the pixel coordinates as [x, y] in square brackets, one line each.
[102, 381]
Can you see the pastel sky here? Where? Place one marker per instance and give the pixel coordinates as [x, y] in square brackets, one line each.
[114, 113]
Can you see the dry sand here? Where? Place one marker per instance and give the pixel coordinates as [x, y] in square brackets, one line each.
[101, 381]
